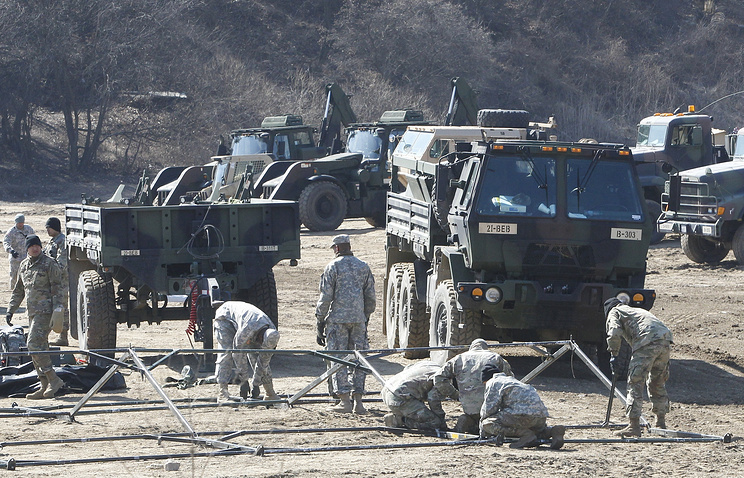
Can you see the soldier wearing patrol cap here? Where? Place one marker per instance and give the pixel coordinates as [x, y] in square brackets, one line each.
[347, 299]
[14, 244]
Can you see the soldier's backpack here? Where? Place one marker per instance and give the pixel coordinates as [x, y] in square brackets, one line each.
[12, 339]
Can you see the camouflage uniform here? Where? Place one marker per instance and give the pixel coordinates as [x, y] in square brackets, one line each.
[238, 325]
[347, 299]
[465, 369]
[406, 392]
[56, 248]
[40, 282]
[650, 340]
[511, 408]
[15, 239]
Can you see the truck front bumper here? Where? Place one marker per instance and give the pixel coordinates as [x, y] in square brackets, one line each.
[695, 228]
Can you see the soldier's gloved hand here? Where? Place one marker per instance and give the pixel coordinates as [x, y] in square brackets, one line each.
[613, 364]
[9, 316]
[14, 254]
[245, 387]
[320, 338]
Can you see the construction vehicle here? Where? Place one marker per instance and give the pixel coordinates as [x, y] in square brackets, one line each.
[706, 206]
[684, 141]
[511, 239]
[186, 241]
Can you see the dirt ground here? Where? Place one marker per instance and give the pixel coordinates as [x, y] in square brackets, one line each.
[701, 305]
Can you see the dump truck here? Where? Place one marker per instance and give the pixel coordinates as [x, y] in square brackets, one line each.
[684, 140]
[512, 240]
[706, 206]
[183, 243]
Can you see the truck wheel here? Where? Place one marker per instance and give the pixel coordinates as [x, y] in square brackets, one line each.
[703, 251]
[262, 294]
[503, 119]
[392, 292]
[449, 326]
[74, 268]
[377, 220]
[96, 312]
[413, 323]
[737, 245]
[654, 210]
[322, 206]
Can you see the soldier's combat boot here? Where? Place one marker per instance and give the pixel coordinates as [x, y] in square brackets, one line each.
[61, 340]
[358, 405]
[223, 395]
[344, 404]
[55, 383]
[39, 394]
[392, 421]
[660, 421]
[270, 394]
[527, 438]
[556, 436]
[632, 430]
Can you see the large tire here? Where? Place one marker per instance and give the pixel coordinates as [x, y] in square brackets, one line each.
[449, 326]
[96, 312]
[654, 210]
[413, 323]
[503, 119]
[377, 220]
[737, 245]
[262, 294]
[703, 251]
[322, 206]
[74, 268]
[392, 293]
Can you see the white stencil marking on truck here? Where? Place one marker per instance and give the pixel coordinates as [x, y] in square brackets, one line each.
[268, 248]
[130, 252]
[625, 234]
[496, 228]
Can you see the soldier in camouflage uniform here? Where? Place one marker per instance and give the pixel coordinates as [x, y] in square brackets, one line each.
[56, 248]
[405, 394]
[239, 325]
[460, 378]
[347, 299]
[650, 341]
[14, 243]
[512, 408]
[40, 282]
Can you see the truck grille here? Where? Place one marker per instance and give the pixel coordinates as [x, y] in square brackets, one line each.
[559, 259]
[694, 200]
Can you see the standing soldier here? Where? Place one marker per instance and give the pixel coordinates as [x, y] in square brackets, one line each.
[460, 378]
[56, 248]
[513, 408]
[40, 282]
[239, 325]
[406, 395]
[14, 243]
[347, 299]
[650, 341]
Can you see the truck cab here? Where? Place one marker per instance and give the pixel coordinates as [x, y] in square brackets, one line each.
[283, 137]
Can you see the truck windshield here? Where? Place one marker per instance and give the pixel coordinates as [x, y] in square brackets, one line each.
[365, 142]
[651, 134]
[517, 186]
[248, 145]
[607, 192]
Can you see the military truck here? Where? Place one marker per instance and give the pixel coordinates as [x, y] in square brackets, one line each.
[512, 240]
[684, 141]
[175, 250]
[706, 206]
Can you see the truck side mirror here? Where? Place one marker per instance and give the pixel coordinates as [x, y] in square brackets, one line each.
[675, 186]
[457, 183]
[666, 167]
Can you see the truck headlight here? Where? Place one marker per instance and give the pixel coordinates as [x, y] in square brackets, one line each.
[493, 295]
[624, 297]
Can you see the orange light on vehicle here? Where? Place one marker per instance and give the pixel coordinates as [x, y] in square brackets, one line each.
[547, 148]
[562, 149]
[477, 293]
[691, 108]
[575, 150]
[638, 297]
[624, 153]
[498, 146]
[721, 210]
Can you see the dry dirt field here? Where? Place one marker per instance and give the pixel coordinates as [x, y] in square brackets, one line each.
[701, 304]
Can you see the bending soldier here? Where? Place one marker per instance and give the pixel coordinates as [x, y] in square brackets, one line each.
[238, 325]
[650, 341]
[405, 394]
[460, 378]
